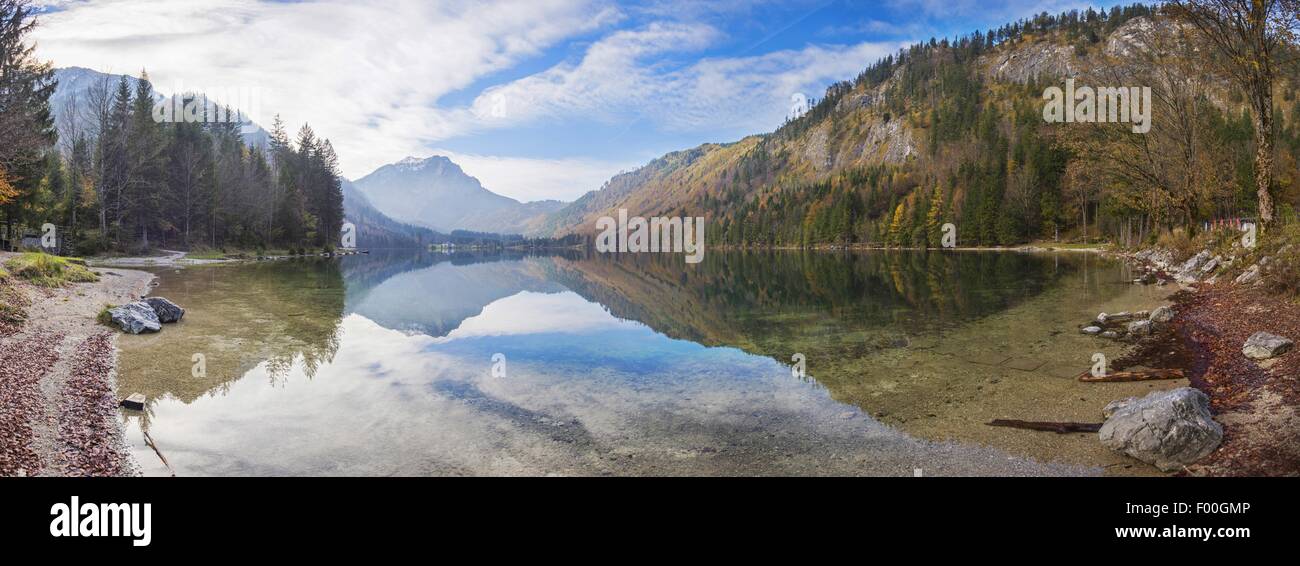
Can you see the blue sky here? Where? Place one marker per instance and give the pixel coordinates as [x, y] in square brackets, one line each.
[537, 98]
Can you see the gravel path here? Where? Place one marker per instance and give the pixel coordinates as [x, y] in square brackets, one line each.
[58, 409]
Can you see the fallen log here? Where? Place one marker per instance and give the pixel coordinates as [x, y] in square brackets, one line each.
[1058, 428]
[1132, 376]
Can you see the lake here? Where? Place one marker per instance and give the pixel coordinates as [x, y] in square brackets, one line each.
[413, 364]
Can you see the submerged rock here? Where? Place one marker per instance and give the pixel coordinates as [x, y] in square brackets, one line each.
[136, 318]
[166, 310]
[1266, 346]
[1168, 429]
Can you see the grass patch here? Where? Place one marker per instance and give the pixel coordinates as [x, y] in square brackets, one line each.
[1282, 275]
[12, 306]
[50, 271]
[1179, 242]
[104, 317]
[11, 314]
[206, 253]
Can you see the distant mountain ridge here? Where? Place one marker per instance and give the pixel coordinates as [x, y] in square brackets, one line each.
[435, 192]
[945, 131]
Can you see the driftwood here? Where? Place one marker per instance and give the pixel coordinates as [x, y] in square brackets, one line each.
[149, 441]
[1058, 428]
[1131, 376]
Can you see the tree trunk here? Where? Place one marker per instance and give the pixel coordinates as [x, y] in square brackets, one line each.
[1264, 156]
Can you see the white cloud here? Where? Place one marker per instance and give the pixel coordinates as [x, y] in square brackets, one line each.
[368, 76]
[628, 76]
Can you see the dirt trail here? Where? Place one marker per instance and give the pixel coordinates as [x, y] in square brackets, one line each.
[57, 372]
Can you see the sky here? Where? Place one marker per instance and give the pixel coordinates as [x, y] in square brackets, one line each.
[539, 99]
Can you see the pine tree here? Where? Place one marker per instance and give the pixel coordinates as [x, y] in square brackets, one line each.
[27, 131]
[147, 146]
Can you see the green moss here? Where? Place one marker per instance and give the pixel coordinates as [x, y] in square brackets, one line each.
[50, 271]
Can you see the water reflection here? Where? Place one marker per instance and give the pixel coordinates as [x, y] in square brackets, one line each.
[382, 364]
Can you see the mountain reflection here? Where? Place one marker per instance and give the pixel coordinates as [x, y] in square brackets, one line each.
[608, 356]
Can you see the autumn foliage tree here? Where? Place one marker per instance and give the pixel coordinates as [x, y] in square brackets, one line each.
[26, 127]
[1251, 39]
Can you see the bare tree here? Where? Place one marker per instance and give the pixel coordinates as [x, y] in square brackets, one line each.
[1251, 37]
[99, 116]
[1179, 168]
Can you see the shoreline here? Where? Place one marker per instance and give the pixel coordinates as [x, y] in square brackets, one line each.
[1026, 248]
[77, 430]
[58, 371]
[1256, 403]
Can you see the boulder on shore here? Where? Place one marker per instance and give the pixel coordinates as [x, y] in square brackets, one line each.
[1251, 275]
[1162, 315]
[135, 318]
[1265, 346]
[1168, 429]
[166, 310]
[1117, 318]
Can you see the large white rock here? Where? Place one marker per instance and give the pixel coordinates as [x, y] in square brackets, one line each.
[1251, 275]
[135, 318]
[166, 310]
[1266, 346]
[1168, 429]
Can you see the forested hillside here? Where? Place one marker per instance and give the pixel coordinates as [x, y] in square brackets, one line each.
[121, 180]
[953, 130]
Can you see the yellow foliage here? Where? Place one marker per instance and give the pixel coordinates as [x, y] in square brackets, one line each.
[7, 190]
